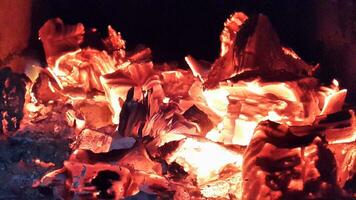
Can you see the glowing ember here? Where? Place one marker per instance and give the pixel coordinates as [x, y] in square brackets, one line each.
[256, 124]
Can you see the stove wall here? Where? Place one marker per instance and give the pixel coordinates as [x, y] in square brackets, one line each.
[15, 27]
[336, 31]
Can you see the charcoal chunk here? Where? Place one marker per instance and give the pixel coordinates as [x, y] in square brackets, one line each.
[12, 99]
[102, 182]
[132, 115]
[194, 114]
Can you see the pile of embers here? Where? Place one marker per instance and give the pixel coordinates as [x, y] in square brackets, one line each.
[255, 124]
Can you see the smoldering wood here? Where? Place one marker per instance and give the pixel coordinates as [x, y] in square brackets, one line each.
[105, 163]
[284, 155]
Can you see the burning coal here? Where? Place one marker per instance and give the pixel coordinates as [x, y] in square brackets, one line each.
[255, 124]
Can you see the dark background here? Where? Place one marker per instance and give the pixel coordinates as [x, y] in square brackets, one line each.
[320, 31]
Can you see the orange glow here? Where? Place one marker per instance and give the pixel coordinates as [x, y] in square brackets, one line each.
[43, 164]
[240, 107]
[276, 101]
[172, 117]
[206, 159]
[217, 100]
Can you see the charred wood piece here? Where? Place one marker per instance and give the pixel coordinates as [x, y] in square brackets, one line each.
[133, 115]
[257, 52]
[281, 161]
[58, 38]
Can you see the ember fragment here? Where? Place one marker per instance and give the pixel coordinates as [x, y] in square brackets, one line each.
[45, 88]
[176, 83]
[176, 172]
[115, 45]
[224, 66]
[101, 142]
[81, 69]
[82, 175]
[258, 48]
[257, 53]
[132, 115]
[96, 114]
[94, 141]
[58, 38]
[139, 160]
[195, 115]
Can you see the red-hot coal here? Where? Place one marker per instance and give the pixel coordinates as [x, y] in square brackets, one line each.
[254, 124]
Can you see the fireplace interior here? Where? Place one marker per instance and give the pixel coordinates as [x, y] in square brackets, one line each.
[177, 99]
